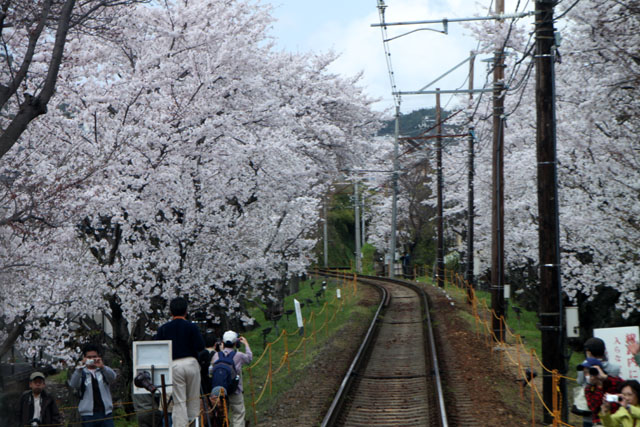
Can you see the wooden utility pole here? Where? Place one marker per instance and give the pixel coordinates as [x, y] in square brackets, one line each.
[470, 202]
[551, 310]
[497, 203]
[470, 214]
[439, 215]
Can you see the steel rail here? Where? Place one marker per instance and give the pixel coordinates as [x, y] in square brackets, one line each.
[338, 401]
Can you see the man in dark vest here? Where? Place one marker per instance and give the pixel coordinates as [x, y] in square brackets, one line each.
[186, 344]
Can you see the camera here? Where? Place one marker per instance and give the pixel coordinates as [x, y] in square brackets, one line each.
[612, 398]
[593, 372]
[143, 380]
[90, 362]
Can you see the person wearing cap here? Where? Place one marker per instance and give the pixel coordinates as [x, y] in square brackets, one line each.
[186, 343]
[599, 383]
[92, 378]
[231, 340]
[37, 405]
[219, 407]
[595, 348]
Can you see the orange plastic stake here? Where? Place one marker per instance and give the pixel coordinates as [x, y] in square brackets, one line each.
[533, 396]
[270, 369]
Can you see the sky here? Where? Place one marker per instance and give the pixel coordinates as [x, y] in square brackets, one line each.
[417, 59]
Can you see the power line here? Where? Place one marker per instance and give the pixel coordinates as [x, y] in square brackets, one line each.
[387, 52]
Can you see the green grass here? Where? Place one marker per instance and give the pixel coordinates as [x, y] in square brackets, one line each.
[286, 378]
[526, 326]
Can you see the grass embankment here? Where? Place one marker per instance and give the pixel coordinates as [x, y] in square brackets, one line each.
[330, 314]
[324, 316]
[522, 324]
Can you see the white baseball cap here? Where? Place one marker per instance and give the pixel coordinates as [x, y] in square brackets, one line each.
[229, 338]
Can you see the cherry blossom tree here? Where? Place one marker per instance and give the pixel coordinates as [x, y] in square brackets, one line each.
[33, 37]
[597, 117]
[220, 152]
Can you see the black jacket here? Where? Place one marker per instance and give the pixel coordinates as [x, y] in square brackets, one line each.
[49, 413]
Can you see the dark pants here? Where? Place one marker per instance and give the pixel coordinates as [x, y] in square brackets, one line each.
[90, 420]
[150, 419]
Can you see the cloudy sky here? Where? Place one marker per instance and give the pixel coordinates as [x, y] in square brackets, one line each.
[417, 58]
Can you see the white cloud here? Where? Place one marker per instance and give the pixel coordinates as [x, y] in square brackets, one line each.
[417, 58]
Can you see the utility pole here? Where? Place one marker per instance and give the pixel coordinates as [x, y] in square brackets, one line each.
[552, 327]
[357, 224]
[439, 214]
[497, 203]
[470, 202]
[470, 214]
[324, 231]
[394, 201]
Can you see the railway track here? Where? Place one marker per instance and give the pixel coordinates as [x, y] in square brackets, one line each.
[394, 379]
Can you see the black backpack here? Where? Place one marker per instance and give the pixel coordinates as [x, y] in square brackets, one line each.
[224, 373]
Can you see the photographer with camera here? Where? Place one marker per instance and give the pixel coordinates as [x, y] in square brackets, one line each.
[92, 379]
[37, 406]
[230, 341]
[628, 415]
[594, 348]
[599, 384]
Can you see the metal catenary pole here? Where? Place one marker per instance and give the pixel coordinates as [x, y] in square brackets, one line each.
[357, 225]
[394, 202]
[325, 233]
[551, 307]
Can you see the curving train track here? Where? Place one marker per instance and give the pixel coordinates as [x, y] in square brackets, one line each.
[394, 379]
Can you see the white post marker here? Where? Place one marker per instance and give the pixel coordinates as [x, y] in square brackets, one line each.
[296, 305]
[338, 292]
[507, 291]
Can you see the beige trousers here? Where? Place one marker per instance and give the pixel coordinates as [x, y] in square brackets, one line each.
[236, 405]
[186, 391]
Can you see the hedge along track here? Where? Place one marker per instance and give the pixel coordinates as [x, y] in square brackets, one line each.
[394, 379]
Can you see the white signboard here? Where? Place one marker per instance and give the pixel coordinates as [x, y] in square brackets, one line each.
[616, 341]
[296, 304]
[152, 356]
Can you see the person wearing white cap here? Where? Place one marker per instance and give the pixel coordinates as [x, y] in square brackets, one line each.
[37, 407]
[231, 340]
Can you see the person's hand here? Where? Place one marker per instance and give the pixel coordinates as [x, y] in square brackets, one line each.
[243, 340]
[623, 401]
[605, 408]
[98, 362]
[633, 348]
[601, 375]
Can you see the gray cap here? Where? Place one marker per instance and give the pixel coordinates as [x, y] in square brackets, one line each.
[35, 375]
